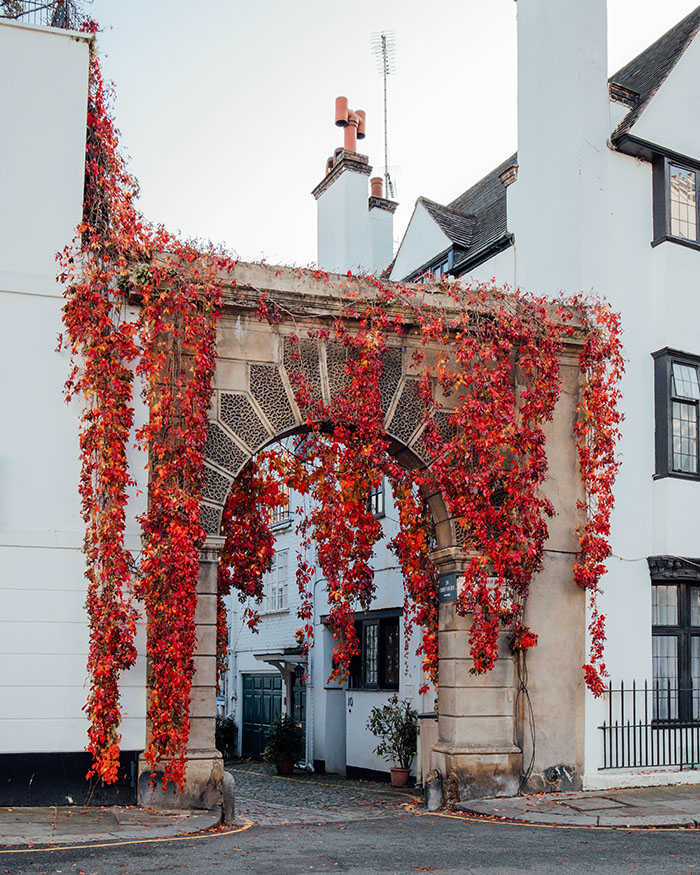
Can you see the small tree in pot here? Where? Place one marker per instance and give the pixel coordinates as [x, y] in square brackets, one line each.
[395, 724]
[285, 744]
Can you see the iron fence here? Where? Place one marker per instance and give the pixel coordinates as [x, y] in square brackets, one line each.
[48, 13]
[642, 729]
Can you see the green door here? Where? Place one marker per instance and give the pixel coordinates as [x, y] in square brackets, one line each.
[262, 702]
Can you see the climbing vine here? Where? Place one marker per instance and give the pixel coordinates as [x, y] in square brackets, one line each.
[142, 305]
[168, 341]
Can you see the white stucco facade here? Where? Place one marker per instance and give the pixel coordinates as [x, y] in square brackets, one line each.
[336, 713]
[43, 624]
[582, 215]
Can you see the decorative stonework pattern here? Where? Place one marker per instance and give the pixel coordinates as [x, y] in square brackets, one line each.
[216, 487]
[222, 450]
[239, 415]
[420, 448]
[307, 364]
[442, 422]
[409, 412]
[673, 568]
[268, 390]
[336, 357]
[390, 378]
[210, 517]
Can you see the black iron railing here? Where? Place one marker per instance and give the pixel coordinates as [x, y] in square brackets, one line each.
[48, 13]
[642, 727]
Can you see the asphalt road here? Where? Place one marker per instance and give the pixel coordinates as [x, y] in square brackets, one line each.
[398, 842]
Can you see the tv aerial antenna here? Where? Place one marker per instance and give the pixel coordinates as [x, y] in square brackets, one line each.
[384, 50]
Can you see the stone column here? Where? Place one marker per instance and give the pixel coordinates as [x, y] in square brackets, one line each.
[204, 778]
[476, 751]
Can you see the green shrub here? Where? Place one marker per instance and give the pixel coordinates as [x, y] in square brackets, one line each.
[285, 741]
[396, 726]
[226, 733]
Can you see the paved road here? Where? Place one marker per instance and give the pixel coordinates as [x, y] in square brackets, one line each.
[320, 827]
[396, 843]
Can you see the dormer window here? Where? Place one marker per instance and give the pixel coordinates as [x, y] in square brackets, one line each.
[676, 216]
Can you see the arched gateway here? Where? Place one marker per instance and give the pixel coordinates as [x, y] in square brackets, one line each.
[481, 743]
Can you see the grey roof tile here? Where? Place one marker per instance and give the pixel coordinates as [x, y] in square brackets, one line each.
[646, 73]
[458, 226]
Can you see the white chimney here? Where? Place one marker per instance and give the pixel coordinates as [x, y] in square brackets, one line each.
[557, 206]
[354, 232]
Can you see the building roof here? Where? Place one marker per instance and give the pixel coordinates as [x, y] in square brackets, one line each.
[486, 201]
[646, 73]
[456, 225]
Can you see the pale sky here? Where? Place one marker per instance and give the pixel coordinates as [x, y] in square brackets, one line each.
[226, 107]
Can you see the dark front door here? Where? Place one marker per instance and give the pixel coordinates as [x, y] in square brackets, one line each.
[262, 702]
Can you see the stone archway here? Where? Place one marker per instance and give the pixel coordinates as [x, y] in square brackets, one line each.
[480, 741]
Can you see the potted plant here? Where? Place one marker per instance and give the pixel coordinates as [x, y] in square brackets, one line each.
[285, 744]
[395, 724]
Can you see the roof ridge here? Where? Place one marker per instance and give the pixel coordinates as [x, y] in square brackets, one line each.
[445, 207]
[647, 71]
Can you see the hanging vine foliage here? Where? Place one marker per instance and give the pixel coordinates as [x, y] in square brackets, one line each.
[170, 343]
[486, 369]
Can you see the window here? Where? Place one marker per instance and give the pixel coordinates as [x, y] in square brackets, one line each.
[377, 666]
[683, 203]
[281, 515]
[375, 502]
[677, 396]
[276, 582]
[437, 268]
[676, 202]
[676, 650]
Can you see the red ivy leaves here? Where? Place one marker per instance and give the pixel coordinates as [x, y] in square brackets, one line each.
[173, 342]
[494, 357]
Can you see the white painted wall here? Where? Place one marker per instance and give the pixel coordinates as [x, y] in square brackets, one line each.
[423, 240]
[336, 717]
[343, 229]
[669, 119]
[556, 207]
[43, 631]
[582, 218]
[381, 239]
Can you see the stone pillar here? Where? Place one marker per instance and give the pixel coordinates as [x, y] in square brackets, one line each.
[204, 778]
[476, 750]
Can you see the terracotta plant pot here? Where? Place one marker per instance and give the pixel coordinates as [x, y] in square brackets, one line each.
[285, 767]
[399, 777]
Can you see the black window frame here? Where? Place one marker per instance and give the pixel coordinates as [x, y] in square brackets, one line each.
[664, 397]
[384, 622]
[662, 200]
[439, 266]
[683, 632]
[376, 502]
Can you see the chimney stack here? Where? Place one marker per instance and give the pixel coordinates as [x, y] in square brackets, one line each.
[354, 232]
[556, 206]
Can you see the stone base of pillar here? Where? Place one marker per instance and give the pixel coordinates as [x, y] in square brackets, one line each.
[203, 787]
[478, 773]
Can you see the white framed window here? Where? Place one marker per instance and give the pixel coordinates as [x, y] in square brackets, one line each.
[281, 515]
[276, 583]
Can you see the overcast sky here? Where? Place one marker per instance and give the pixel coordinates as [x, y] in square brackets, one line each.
[226, 106]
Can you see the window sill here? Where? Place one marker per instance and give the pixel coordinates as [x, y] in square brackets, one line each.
[677, 475]
[281, 526]
[373, 689]
[690, 244]
[274, 611]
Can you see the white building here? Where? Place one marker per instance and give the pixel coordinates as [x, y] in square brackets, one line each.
[266, 672]
[602, 198]
[43, 624]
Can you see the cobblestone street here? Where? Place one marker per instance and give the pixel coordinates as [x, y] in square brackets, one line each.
[304, 798]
